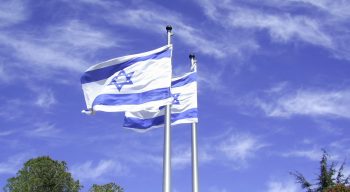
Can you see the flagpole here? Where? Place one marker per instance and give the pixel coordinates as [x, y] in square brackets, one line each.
[167, 138]
[194, 143]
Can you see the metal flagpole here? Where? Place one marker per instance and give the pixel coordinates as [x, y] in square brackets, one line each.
[167, 138]
[194, 143]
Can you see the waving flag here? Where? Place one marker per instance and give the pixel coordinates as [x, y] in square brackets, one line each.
[129, 83]
[183, 108]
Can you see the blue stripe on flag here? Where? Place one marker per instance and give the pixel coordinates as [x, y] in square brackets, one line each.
[190, 113]
[133, 98]
[104, 73]
[132, 122]
[185, 80]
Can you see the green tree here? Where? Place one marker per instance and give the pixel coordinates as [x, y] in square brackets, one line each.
[329, 180]
[339, 188]
[42, 174]
[109, 187]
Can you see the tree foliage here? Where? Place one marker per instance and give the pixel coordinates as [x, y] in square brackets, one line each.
[43, 174]
[339, 188]
[329, 179]
[109, 187]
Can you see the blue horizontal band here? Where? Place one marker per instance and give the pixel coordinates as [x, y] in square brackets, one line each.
[190, 113]
[133, 98]
[131, 122]
[185, 80]
[104, 73]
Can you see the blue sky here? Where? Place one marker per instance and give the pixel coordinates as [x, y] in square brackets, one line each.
[274, 89]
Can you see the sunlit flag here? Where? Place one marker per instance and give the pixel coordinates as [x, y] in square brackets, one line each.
[129, 83]
[183, 108]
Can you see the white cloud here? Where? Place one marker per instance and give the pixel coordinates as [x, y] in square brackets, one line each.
[328, 127]
[81, 36]
[4, 77]
[217, 189]
[12, 12]
[45, 99]
[11, 109]
[308, 102]
[282, 27]
[13, 163]
[44, 129]
[65, 46]
[104, 168]
[277, 88]
[288, 186]
[154, 18]
[338, 8]
[150, 19]
[314, 154]
[241, 147]
[209, 80]
[15, 108]
[205, 155]
[37, 54]
[181, 157]
[96, 2]
[6, 133]
[284, 23]
[346, 170]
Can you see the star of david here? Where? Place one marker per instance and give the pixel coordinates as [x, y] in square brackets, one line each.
[122, 79]
[176, 98]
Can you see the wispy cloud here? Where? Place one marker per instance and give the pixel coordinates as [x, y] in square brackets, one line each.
[12, 12]
[148, 18]
[45, 99]
[181, 157]
[37, 54]
[13, 163]
[81, 36]
[217, 189]
[15, 108]
[12, 109]
[4, 76]
[64, 46]
[297, 27]
[287, 186]
[282, 26]
[313, 154]
[210, 81]
[337, 8]
[236, 150]
[98, 3]
[6, 133]
[241, 147]
[308, 102]
[153, 18]
[103, 169]
[43, 129]
[286, 25]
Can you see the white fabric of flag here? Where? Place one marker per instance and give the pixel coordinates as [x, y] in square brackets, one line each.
[183, 109]
[129, 83]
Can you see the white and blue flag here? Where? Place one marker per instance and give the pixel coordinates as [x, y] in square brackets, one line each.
[183, 108]
[129, 83]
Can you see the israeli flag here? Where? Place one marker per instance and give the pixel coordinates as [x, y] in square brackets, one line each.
[129, 83]
[183, 108]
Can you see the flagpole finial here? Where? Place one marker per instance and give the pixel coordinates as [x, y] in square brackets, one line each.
[192, 56]
[169, 28]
